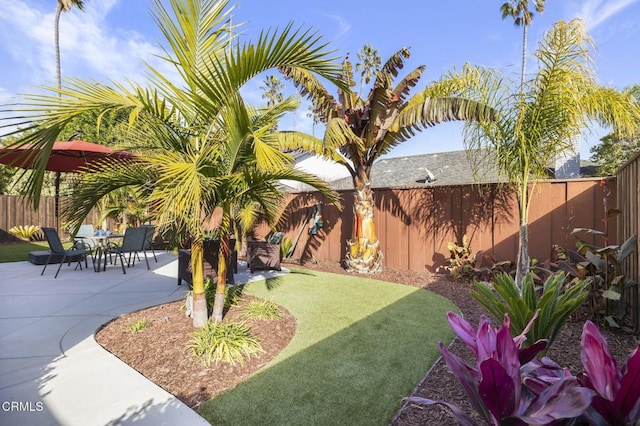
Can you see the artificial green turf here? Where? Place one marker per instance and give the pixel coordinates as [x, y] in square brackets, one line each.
[360, 347]
[16, 252]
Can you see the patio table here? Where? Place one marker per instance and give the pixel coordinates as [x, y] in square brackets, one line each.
[101, 245]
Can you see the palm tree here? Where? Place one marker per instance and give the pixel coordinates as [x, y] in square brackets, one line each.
[613, 151]
[522, 16]
[63, 6]
[184, 176]
[272, 90]
[371, 62]
[360, 131]
[315, 118]
[544, 118]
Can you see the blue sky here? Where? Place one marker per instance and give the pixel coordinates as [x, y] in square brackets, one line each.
[109, 40]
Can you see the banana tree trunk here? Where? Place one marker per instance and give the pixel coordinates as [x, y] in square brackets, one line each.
[199, 309]
[223, 255]
[363, 250]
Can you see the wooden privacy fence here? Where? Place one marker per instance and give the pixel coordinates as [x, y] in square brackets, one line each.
[414, 225]
[628, 189]
[16, 211]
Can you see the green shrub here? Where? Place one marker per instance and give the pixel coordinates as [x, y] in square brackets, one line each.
[139, 325]
[466, 266]
[224, 341]
[262, 310]
[232, 294]
[603, 266]
[554, 303]
[24, 232]
[461, 261]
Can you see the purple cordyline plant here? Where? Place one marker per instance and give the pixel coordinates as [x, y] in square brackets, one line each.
[506, 385]
[617, 399]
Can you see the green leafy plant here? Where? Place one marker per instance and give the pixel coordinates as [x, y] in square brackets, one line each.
[604, 267]
[232, 295]
[464, 265]
[139, 325]
[262, 310]
[461, 261]
[555, 301]
[226, 341]
[25, 232]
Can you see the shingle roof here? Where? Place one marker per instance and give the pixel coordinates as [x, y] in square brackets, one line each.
[445, 168]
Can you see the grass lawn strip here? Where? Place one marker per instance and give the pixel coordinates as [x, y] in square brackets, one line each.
[361, 346]
[18, 252]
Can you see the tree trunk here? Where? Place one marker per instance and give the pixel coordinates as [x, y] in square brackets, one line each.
[199, 309]
[524, 58]
[218, 306]
[223, 255]
[522, 266]
[363, 250]
[57, 44]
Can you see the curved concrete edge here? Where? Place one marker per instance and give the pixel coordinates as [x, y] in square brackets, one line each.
[119, 394]
[50, 362]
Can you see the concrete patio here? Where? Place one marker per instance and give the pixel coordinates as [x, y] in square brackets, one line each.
[52, 372]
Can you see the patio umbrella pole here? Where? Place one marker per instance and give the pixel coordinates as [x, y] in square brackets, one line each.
[56, 183]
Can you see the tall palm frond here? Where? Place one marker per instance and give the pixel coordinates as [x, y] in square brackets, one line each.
[106, 177]
[196, 32]
[543, 119]
[324, 104]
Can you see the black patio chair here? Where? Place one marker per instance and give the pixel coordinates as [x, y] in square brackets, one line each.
[56, 248]
[148, 240]
[132, 242]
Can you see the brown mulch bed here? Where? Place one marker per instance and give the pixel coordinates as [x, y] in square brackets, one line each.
[159, 351]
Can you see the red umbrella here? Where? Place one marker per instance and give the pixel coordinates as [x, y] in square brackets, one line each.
[70, 156]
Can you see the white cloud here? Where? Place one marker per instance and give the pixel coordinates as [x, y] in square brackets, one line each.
[89, 48]
[344, 27]
[596, 12]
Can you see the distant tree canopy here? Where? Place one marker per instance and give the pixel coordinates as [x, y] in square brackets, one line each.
[6, 176]
[613, 152]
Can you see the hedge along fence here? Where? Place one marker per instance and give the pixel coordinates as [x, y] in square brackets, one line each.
[17, 211]
[414, 225]
[628, 190]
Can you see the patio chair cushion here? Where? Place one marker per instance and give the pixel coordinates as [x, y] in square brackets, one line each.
[39, 257]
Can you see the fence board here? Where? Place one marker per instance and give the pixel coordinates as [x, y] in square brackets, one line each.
[628, 196]
[415, 224]
[16, 211]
